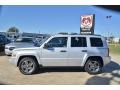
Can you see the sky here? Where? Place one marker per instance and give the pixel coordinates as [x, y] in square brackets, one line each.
[55, 19]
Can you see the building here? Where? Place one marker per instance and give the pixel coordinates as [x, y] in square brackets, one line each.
[34, 35]
[116, 40]
[13, 35]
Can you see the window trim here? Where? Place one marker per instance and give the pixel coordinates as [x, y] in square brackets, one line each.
[95, 38]
[60, 37]
[78, 37]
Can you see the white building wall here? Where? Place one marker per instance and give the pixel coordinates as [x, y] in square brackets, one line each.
[116, 40]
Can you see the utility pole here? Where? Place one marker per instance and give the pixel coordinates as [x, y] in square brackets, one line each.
[108, 19]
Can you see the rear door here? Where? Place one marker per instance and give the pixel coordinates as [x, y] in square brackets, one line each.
[77, 50]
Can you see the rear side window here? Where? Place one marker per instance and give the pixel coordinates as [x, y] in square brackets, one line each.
[96, 42]
[78, 42]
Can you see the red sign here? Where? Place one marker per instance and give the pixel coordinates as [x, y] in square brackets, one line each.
[86, 20]
[87, 24]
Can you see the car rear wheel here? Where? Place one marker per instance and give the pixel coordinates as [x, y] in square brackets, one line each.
[28, 66]
[93, 66]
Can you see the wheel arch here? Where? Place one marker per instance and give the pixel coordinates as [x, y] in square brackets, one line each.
[32, 56]
[95, 57]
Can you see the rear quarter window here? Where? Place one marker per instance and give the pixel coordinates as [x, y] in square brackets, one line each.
[96, 42]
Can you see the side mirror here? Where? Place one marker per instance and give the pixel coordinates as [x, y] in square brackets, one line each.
[46, 46]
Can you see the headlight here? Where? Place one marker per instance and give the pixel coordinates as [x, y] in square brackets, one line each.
[11, 48]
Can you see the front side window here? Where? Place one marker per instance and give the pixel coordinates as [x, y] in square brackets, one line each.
[78, 42]
[58, 42]
[96, 42]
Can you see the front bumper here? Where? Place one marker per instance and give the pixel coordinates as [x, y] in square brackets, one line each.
[13, 60]
[8, 52]
[106, 60]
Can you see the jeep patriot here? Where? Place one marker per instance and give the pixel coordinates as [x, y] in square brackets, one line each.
[88, 51]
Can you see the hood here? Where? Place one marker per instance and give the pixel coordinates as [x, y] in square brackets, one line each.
[19, 45]
[10, 45]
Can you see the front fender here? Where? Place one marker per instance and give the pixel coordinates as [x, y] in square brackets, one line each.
[35, 54]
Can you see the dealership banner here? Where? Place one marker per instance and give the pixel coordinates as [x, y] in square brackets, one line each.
[87, 24]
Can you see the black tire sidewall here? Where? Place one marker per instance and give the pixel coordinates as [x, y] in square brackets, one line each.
[93, 73]
[34, 63]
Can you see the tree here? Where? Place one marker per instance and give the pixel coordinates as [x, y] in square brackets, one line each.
[13, 29]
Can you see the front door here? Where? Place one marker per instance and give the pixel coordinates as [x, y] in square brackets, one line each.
[57, 52]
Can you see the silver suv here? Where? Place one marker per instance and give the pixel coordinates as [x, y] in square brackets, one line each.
[88, 51]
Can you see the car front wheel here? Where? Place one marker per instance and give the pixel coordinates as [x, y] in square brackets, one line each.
[28, 66]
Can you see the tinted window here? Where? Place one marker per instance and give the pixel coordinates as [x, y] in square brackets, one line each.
[58, 42]
[78, 42]
[2, 40]
[96, 42]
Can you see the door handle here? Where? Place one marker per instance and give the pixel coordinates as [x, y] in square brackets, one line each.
[84, 50]
[63, 51]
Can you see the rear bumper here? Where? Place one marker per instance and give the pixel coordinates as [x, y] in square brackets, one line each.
[106, 60]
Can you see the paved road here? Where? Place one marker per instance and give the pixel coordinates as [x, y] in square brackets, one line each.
[11, 75]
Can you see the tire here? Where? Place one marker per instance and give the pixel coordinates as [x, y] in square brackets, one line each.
[93, 66]
[28, 66]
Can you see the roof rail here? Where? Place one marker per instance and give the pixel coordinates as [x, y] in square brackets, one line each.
[91, 34]
[96, 34]
[78, 34]
[65, 33]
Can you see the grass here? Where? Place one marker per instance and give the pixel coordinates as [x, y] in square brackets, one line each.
[115, 49]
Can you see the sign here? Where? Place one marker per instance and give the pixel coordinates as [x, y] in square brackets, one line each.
[87, 24]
